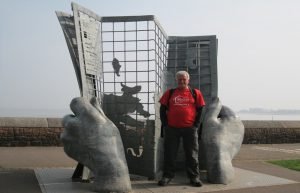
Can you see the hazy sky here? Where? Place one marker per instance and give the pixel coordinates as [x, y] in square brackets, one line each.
[258, 53]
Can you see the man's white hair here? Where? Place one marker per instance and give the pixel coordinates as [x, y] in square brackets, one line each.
[182, 73]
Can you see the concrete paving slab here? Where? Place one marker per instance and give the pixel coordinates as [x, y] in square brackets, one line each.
[34, 157]
[57, 180]
[268, 152]
[268, 168]
[18, 180]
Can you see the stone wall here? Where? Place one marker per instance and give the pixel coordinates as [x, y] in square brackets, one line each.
[271, 132]
[46, 132]
[30, 131]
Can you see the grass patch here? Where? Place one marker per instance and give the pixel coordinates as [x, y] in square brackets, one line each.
[290, 164]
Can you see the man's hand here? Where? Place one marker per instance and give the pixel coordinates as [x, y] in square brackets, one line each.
[93, 140]
[222, 137]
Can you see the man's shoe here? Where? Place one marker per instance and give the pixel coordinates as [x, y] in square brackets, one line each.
[164, 181]
[196, 182]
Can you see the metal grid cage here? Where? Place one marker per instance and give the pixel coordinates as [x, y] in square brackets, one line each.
[134, 55]
[134, 52]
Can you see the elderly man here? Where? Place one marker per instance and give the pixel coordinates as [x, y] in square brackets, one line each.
[180, 113]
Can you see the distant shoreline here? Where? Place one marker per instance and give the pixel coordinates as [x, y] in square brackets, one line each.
[265, 116]
[271, 112]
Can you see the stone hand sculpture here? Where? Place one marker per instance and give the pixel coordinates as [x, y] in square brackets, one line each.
[222, 137]
[93, 140]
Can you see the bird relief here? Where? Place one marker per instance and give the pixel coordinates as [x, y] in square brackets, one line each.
[116, 65]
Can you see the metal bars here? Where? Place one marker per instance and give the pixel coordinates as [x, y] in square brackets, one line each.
[196, 55]
[140, 49]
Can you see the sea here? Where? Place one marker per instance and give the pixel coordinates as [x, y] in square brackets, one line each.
[269, 117]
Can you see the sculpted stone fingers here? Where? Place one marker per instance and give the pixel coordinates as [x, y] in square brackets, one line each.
[226, 113]
[222, 137]
[235, 129]
[70, 121]
[81, 107]
[213, 111]
[93, 140]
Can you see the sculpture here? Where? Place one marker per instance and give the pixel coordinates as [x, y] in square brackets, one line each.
[222, 136]
[148, 71]
[93, 140]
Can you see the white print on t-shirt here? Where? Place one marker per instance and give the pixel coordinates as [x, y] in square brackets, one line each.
[181, 101]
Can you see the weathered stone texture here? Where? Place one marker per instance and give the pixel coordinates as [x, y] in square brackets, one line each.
[19, 131]
[271, 135]
[268, 132]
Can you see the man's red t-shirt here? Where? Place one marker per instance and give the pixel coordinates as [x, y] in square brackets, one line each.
[182, 107]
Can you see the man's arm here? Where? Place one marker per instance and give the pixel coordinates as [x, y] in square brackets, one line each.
[163, 115]
[198, 116]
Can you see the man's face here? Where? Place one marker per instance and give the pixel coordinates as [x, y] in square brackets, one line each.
[182, 81]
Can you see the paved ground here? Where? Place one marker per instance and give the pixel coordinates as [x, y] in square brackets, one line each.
[17, 165]
[18, 180]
